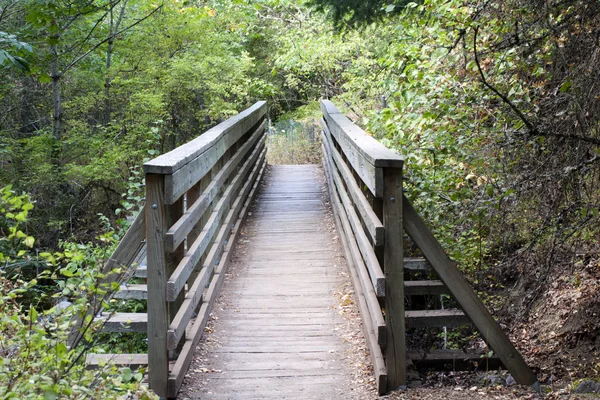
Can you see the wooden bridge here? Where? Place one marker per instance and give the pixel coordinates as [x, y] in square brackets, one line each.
[198, 197]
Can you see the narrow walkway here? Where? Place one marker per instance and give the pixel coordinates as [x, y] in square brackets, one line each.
[278, 332]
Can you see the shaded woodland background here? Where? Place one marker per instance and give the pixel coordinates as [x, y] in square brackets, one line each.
[494, 104]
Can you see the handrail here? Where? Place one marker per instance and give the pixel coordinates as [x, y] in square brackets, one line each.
[370, 224]
[196, 197]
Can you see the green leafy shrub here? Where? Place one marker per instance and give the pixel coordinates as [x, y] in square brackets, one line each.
[35, 361]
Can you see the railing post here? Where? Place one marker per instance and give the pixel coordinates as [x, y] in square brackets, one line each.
[158, 313]
[393, 255]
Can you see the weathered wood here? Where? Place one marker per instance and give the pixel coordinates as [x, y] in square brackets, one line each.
[180, 181]
[416, 264]
[413, 288]
[466, 296]
[122, 258]
[365, 154]
[304, 336]
[185, 165]
[196, 208]
[184, 360]
[454, 359]
[129, 360]
[194, 295]
[375, 314]
[368, 254]
[379, 368]
[435, 318]
[372, 223]
[393, 256]
[141, 271]
[179, 277]
[124, 322]
[132, 291]
[158, 321]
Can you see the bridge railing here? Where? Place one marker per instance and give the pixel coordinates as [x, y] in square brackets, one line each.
[365, 184]
[196, 198]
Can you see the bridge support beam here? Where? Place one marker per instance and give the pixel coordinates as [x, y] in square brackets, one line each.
[393, 257]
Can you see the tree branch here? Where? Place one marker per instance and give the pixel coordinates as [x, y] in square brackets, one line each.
[82, 56]
[532, 129]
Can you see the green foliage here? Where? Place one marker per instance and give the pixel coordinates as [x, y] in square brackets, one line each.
[35, 360]
[292, 142]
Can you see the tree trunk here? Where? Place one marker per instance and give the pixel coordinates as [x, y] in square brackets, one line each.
[56, 103]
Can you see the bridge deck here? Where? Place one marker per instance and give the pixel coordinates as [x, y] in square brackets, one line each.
[278, 331]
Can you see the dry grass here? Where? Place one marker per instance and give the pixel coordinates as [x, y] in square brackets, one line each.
[294, 143]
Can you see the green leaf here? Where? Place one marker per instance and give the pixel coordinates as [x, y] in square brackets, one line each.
[29, 241]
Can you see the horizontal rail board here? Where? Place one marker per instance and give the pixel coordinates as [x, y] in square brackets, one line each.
[178, 232]
[368, 216]
[172, 161]
[416, 264]
[177, 280]
[466, 296]
[366, 155]
[368, 254]
[124, 322]
[132, 291]
[379, 368]
[187, 164]
[129, 360]
[185, 357]
[435, 318]
[454, 359]
[122, 258]
[412, 288]
[367, 287]
[193, 297]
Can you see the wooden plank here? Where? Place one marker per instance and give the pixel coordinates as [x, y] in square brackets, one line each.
[129, 360]
[416, 264]
[368, 254]
[132, 291]
[466, 296]
[196, 208]
[365, 154]
[122, 258]
[456, 360]
[435, 318]
[194, 295]
[375, 312]
[123, 322]
[185, 358]
[158, 321]
[368, 216]
[412, 288]
[179, 277]
[141, 271]
[393, 256]
[174, 160]
[183, 179]
[379, 369]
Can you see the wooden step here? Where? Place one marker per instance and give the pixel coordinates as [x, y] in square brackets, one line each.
[141, 271]
[129, 360]
[416, 264]
[124, 322]
[454, 359]
[132, 291]
[435, 318]
[412, 288]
